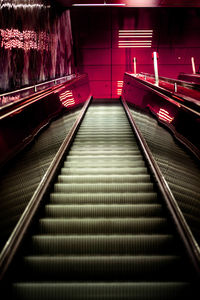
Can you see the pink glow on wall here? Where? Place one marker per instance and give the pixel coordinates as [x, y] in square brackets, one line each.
[106, 45]
[164, 115]
[26, 39]
[67, 98]
[135, 38]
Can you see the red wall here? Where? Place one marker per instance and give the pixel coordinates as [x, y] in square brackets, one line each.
[95, 34]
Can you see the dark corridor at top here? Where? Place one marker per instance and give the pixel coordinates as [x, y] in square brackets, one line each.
[105, 187]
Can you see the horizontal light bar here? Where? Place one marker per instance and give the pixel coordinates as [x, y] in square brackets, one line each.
[100, 4]
[135, 33]
[133, 44]
[138, 32]
[126, 46]
[68, 102]
[135, 36]
[141, 41]
[66, 94]
[124, 30]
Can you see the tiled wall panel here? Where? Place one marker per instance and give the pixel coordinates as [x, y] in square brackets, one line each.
[95, 32]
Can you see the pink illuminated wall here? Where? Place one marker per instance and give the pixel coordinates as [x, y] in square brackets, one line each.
[175, 35]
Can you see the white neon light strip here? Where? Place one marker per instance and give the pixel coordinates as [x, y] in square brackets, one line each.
[100, 4]
[135, 30]
[135, 36]
[141, 41]
[135, 44]
[127, 46]
[136, 33]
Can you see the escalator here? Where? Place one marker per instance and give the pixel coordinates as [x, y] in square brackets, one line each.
[105, 231]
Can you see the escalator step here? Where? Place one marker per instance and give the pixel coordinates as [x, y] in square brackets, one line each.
[102, 210]
[105, 158]
[140, 267]
[104, 164]
[103, 245]
[103, 178]
[97, 153]
[103, 226]
[103, 188]
[104, 171]
[103, 198]
[102, 290]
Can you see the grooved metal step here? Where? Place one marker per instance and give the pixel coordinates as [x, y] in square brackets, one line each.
[103, 198]
[115, 267]
[105, 233]
[104, 226]
[102, 290]
[103, 178]
[103, 187]
[102, 245]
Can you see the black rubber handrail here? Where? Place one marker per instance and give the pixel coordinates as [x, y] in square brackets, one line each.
[43, 189]
[183, 229]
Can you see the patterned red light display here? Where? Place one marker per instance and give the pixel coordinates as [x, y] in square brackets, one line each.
[67, 98]
[26, 40]
[7, 99]
[164, 115]
[119, 87]
[135, 38]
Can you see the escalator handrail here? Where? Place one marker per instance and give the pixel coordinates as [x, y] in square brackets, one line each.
[183, 83]
[34, 87]
[183, 229]
[15, 107]
[42, 190]
[190, 106]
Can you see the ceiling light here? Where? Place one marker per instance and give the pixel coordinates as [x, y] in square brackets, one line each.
[99, 4]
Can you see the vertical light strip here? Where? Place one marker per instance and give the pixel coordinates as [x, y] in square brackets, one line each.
[193, 65]
[134, 65]
[155, 62]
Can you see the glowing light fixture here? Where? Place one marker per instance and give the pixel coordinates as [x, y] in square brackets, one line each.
[135, 38]
[23, 5]
[67, 98]
[99, 4]
[164, 115]
[119, 87]
[193, 65]
[134, 65]
[155, 62]
[26, 39]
